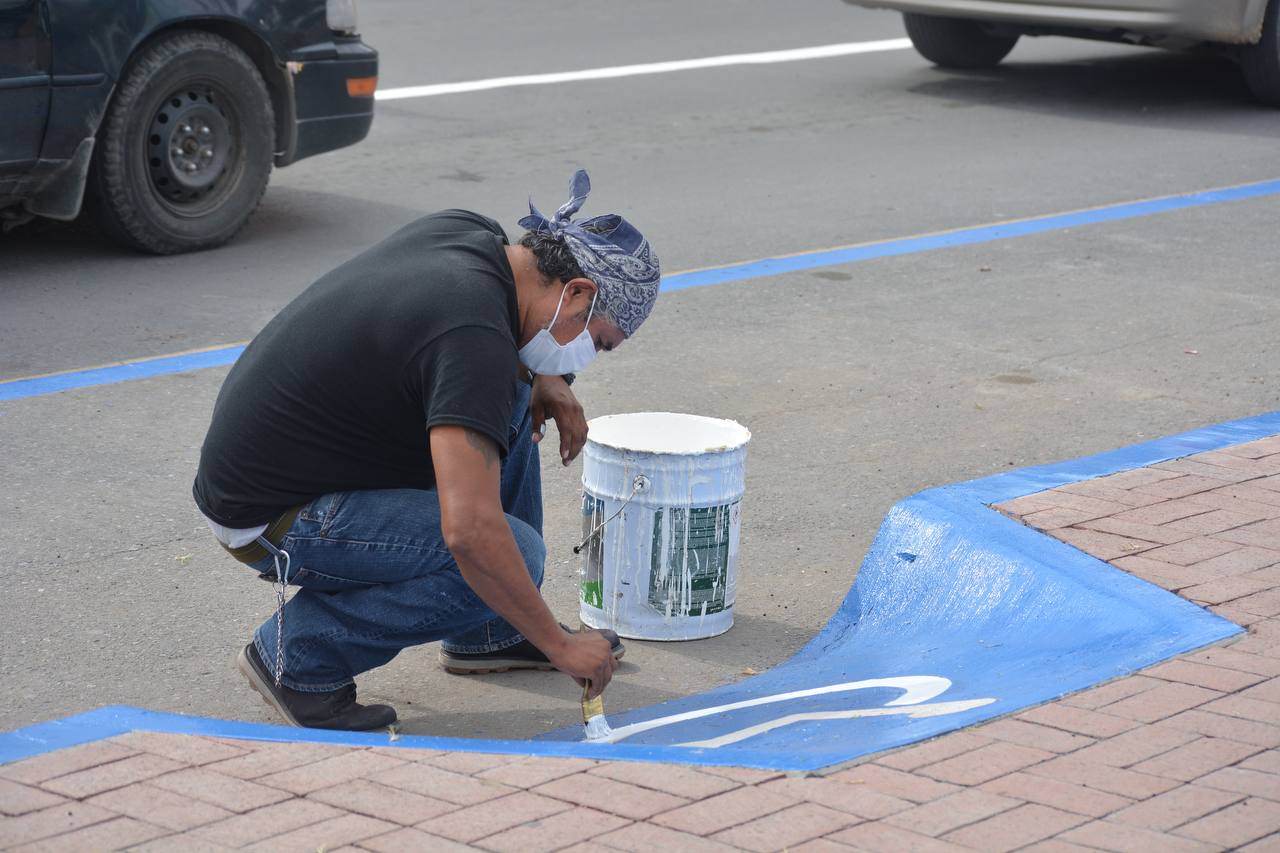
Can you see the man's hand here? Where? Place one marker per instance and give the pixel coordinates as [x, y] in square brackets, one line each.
[552, 398]
[586, 657]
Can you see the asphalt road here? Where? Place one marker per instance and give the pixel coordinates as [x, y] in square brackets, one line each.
[861, 383]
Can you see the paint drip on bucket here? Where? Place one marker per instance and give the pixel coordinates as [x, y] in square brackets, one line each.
[661, 514]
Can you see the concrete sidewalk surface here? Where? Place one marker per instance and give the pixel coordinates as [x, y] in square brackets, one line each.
[1183, 756]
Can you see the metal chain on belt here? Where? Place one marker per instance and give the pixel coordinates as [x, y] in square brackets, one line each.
[279, 555]
[282, 585]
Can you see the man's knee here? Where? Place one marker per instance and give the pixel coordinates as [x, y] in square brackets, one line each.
[532, 547]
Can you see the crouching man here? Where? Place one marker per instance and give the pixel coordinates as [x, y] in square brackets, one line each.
[376, 447]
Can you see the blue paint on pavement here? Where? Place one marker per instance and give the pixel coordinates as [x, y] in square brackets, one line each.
[116, 720]
[957, 615]
[124, 372]
[964, 236]
[950, 589]
[141, 369]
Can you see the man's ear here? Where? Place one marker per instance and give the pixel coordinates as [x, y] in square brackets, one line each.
[581, 289]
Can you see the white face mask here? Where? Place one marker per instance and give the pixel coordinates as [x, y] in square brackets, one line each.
[546, 356]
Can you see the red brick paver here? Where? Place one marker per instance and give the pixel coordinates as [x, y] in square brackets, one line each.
[785, 829]
[681, 781]
[228, 792]
[16, 799]
[553, 833]
[1184, 756]
[896, 783]
[1068, 796]
[476, 822]
[1016, 828]
[859, 800]
[381, 801]
[1203, 717]
[962, 808]
[64, 762]
[609, 795]
[643, 837]
[724, 810]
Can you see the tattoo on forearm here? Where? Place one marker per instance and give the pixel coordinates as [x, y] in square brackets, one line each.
[485, 445]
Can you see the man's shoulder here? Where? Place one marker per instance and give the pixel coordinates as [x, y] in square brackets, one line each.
[456, 219]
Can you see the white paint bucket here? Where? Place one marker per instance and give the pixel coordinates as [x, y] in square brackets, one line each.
[661, 511]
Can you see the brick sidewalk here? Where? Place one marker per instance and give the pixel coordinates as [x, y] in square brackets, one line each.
[1184, 756]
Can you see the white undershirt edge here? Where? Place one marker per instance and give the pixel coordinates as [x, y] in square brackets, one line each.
[234, 537]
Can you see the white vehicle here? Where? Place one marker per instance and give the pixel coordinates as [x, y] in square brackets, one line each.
[980, 33]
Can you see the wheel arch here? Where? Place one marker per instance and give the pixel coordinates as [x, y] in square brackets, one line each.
[273, 70]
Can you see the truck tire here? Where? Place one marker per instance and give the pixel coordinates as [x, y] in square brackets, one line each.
[956, 42]
[1261, 62]
[185, 149]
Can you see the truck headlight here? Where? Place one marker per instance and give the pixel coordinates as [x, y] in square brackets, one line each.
[341, 15]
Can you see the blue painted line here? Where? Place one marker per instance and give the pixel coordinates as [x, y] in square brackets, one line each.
[964, 236]
[144, 368]
[950, 589]
[141, 369]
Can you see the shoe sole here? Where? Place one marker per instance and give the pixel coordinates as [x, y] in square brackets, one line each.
[454, 666]
[262, 687]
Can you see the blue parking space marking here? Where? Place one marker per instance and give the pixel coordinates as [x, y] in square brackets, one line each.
[124, 372]
[957, 615]
[143, 368]
[965, 236]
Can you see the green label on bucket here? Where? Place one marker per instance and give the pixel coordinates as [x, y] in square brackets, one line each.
[593, 551]
[690, 563]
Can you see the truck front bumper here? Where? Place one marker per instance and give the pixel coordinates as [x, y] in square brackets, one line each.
[332, 86]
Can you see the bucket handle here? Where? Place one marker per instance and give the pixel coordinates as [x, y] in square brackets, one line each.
[639, 486]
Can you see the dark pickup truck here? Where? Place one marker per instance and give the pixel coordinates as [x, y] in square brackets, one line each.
[165, 116]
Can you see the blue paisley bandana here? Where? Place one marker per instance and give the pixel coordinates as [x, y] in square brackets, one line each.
[611, 252]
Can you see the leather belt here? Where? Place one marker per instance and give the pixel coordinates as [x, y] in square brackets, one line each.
[275, 533]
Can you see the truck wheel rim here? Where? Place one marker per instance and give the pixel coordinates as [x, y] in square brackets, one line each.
[191, 149]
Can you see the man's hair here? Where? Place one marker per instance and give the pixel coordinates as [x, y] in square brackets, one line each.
[555, 261]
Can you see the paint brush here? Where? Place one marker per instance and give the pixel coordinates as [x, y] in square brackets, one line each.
[595, 726]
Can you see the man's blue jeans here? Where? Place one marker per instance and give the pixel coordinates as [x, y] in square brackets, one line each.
[374, 575]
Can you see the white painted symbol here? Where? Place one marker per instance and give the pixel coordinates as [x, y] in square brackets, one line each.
[917, 689]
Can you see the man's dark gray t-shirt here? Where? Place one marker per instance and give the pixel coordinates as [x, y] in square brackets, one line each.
[337, 393]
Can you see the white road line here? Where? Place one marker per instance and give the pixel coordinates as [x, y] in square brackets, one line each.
[765, 58]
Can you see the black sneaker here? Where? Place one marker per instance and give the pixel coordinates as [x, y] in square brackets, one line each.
[523, 655]
[336, 709]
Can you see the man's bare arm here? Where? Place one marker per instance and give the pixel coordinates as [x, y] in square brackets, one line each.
[476, 531]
